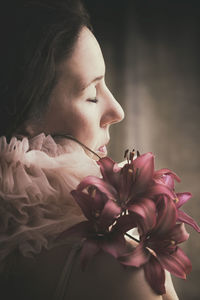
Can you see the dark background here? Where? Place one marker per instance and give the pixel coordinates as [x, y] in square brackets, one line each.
[152, 54]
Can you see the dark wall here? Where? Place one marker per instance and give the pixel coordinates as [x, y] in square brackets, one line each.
[151, 49]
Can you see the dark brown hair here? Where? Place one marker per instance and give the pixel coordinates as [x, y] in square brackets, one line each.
[35, 37]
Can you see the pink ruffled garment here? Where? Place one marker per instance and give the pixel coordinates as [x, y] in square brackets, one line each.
[36, 177]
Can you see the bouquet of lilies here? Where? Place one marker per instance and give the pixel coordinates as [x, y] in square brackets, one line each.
[135, 196]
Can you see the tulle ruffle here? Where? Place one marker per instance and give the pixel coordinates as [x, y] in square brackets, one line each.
[36, 177]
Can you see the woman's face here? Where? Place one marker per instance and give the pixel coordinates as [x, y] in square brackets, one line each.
[81, 104]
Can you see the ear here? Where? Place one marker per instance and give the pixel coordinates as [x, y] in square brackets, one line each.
[28, 129]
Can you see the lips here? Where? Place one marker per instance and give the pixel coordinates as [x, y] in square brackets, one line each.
[102, 151]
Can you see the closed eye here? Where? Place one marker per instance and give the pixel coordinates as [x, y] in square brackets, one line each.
[93, 100]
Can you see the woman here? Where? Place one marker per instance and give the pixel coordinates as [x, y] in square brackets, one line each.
[53, 86]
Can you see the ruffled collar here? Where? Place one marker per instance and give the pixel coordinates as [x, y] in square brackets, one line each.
[36, 178]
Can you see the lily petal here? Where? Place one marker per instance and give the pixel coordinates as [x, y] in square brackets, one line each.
[84, 201]
[183, 217]
[178, 233]
[182, 198]
[177, 263]
[161, 189]
[99, 183]
[110, 212]
[165, 179]
[165, 171]
[155, 275]
[138, 257]
[146, 209]
[145, 164]
[167, 216]
[109, 170]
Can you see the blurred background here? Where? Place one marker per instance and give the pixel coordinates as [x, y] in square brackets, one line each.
[152, 54]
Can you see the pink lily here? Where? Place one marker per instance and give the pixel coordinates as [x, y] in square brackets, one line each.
[134, 179]
[96, 232]
[182, 216]
[96, 206]
[134, 186]
[167, 177]
[158, 248]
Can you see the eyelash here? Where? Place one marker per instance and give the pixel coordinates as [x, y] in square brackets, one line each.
[93, 100]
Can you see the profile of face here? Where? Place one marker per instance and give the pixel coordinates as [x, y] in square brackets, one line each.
[81, 104]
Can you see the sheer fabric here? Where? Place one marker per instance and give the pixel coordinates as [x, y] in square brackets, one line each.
[36, 177]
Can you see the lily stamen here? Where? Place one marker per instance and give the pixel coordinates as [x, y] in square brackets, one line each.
[176, 200]
[130, 171]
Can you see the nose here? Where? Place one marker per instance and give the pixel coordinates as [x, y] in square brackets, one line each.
[113, 112]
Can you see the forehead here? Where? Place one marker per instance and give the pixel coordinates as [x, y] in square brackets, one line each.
[86, 62]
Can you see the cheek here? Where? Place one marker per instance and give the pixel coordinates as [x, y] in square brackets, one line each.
[85, 125]
[77, 118]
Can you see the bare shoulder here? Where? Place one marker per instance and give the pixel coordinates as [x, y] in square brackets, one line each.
[105, 278]
[170, 291]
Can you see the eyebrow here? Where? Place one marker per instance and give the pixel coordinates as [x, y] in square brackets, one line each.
[83, 86]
